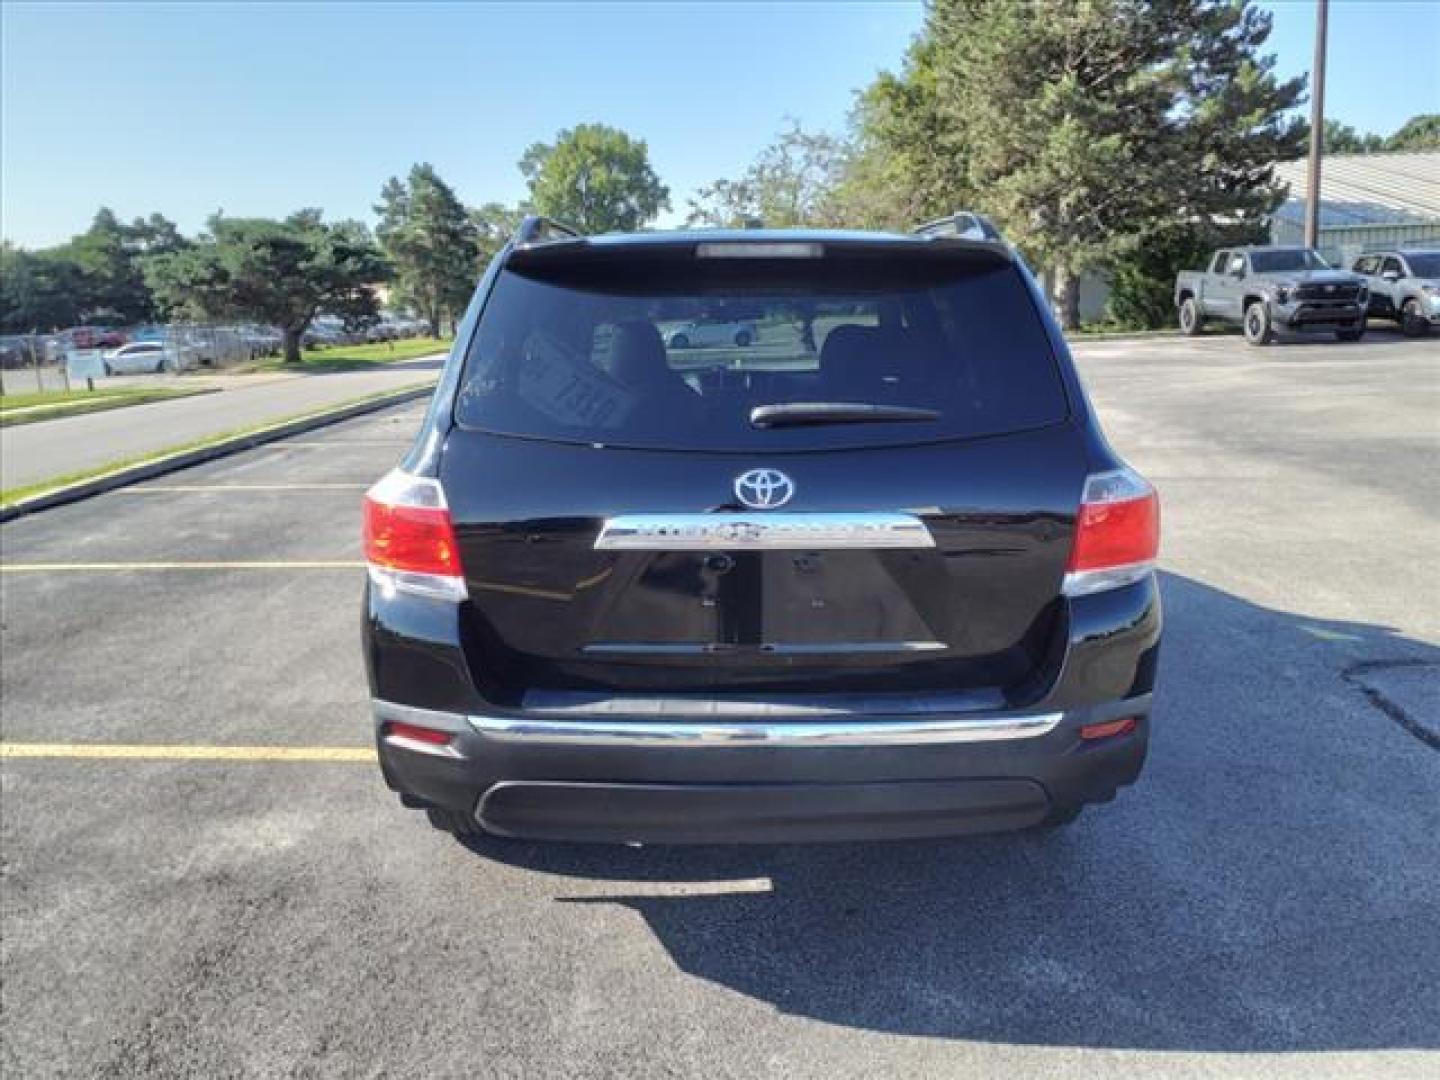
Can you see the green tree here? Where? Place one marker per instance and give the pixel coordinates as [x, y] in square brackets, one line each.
[38, 291]
[791, 184]
[1344, 139]
[596, 178]
[906, 165]
[155, 235]
[1083, 127]
[282, 273]
[494, 224]
[1142, 281]
[1418, 133]
[108, 256]
[430, 239]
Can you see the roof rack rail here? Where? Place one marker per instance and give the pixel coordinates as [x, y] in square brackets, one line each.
[966, 224]
[536, 229]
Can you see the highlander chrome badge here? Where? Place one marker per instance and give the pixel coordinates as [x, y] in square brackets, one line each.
[764, 489]
[778, 531]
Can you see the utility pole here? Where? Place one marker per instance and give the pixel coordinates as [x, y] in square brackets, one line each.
[1317, 128]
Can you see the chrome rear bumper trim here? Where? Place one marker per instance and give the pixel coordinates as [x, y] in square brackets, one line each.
[702, 733]
[819, 733]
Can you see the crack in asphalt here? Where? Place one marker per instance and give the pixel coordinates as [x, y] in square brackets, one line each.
[1354, 675]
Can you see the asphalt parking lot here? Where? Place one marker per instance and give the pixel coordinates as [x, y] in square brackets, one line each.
[1264, 903]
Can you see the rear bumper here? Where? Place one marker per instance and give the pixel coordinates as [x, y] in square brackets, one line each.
[698, 782]
[763, 777]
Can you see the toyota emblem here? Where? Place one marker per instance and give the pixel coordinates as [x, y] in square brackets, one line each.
[764, 489]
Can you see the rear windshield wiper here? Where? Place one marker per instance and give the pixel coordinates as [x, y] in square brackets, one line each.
[796, 413]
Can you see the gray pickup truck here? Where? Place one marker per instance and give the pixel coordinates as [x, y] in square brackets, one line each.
[1269, 289]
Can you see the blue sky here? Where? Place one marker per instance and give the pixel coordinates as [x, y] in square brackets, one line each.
[262, 109]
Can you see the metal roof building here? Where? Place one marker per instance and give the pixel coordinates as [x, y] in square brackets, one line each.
[1366, 201]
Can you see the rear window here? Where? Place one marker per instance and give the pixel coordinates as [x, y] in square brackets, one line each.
[1284, 261]
[676, 354]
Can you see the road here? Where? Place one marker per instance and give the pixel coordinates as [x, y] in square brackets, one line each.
[31, 453]
[1263, 904]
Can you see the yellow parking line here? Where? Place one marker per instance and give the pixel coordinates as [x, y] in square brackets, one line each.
[32, 568]
[186, 752]
[240, 487]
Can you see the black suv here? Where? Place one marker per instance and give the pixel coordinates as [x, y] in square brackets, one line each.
[876, 573]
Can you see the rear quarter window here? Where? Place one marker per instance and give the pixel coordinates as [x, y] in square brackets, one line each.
[627, 352]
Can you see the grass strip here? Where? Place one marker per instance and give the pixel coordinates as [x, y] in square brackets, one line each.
[33, 408]
[350, 357]
[10, 496]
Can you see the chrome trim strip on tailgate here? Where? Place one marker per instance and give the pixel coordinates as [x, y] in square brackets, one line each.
[820, 733]
[766, 531]
[767, 648]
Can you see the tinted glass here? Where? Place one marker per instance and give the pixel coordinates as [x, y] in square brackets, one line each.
[678, 357]
[1427, 265]
[1218, 267]
[1391, 266]
[1286, 260]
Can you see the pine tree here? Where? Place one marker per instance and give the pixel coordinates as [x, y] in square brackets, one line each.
[428, 235]
[1082, 126]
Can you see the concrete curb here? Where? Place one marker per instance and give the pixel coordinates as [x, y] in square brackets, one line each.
[1125, 335]
[148, 470]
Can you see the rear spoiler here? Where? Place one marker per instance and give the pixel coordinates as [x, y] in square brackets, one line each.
[553, 248]
[537, 229]
[963, 223]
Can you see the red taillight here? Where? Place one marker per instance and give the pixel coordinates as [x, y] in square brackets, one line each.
[409, 538]
[411, 733]
[1108, 728]
[1117, 533]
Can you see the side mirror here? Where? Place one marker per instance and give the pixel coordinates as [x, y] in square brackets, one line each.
[1238, 272]
[1391, 275]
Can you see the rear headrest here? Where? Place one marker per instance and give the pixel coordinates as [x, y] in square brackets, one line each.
[637, 354]
[846, 349]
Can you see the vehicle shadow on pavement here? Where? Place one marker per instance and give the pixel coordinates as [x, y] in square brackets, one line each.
[1271, 884]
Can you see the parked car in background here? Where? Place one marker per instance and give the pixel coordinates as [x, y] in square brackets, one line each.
[254, 342]
[1404, 286]
[1268, 289]
[326, 331]
[20, 350]
[700, 334]
[145, 357]
[903, 587]
[321, 337]
[385, 329]
[92, 337]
